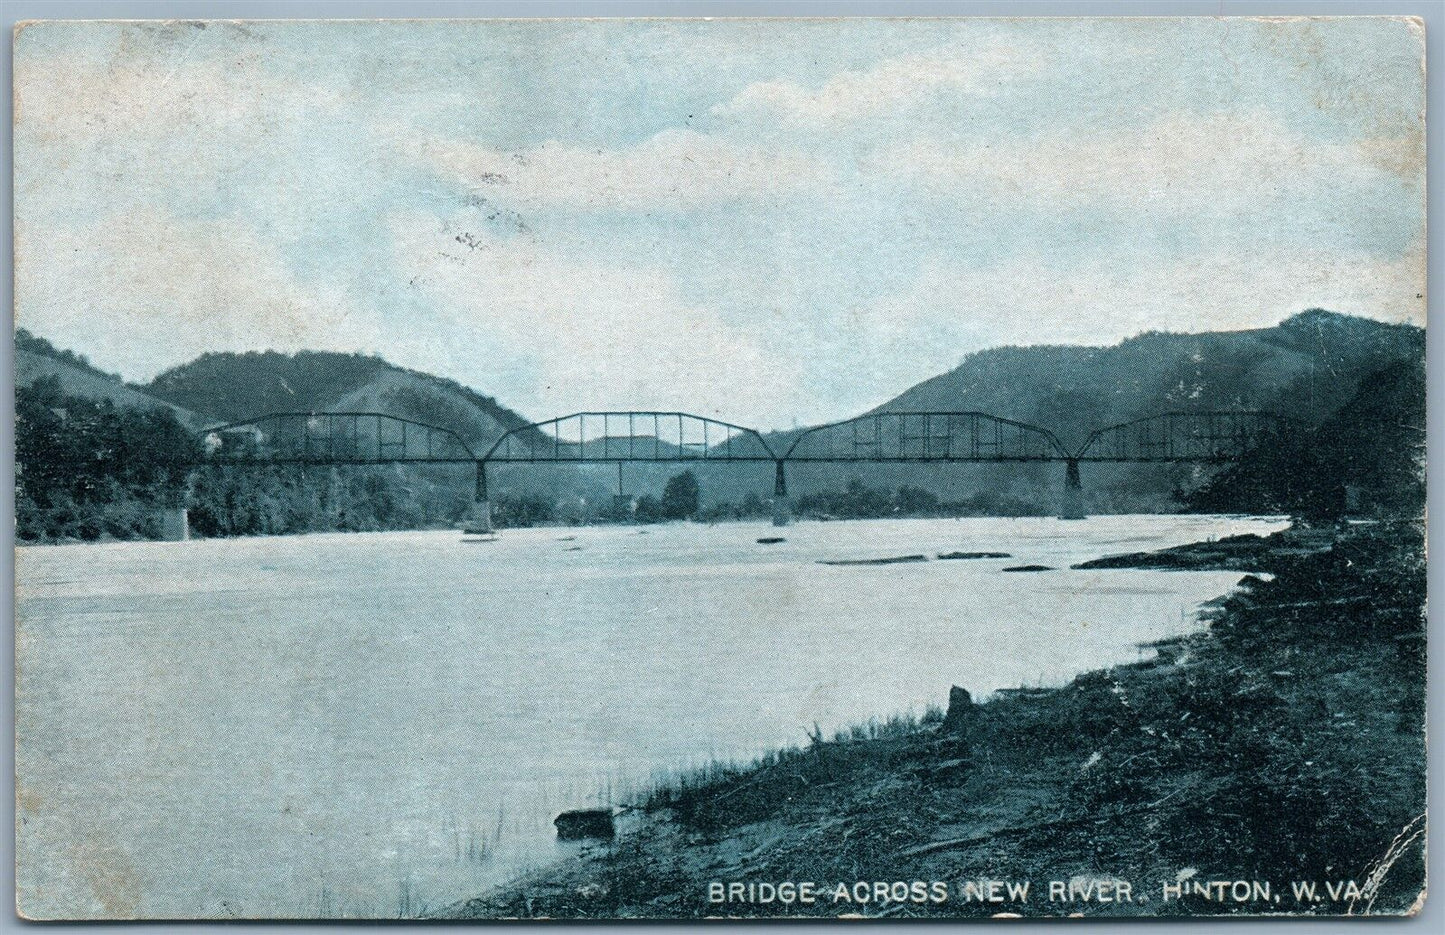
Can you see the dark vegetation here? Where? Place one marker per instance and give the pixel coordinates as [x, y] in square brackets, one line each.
[88, 469]
[512, 511]
[1373, 447]
[681, 499]
[856, 500]
[291, 499]
[680, 496]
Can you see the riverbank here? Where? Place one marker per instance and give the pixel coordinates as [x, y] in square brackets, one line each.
[1281, 748]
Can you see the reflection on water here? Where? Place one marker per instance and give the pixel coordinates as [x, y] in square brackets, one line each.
[380, 724]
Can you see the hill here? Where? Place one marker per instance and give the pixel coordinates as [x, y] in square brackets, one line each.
[240, 386]
[1306, 367]
[37, 359]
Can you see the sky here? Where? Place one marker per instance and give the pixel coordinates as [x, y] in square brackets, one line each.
[770, 222]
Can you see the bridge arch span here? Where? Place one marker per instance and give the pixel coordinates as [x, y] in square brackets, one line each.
[926, 436]
[332, 438]
[629, 436]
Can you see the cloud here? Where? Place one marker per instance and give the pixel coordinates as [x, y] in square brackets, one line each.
[598, 336]
[144, 291]
[164, 81]
[889, 86]
[174, 116]
[181, 189]
[1184, 163]
[676, 169]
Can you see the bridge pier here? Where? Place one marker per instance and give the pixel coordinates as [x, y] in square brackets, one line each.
[175, 524]
[1072, 506]
[176, 515]
[624, 506]
[481, 518]
[782, 509]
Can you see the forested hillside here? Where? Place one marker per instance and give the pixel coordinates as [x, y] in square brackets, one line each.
[1371, 451]
[86, 467]
[1306, 367]
[239, 386]
[37, 359]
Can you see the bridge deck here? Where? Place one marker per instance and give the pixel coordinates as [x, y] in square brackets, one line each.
[363, 438]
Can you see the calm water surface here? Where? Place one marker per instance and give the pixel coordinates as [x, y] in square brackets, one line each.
[380, 724]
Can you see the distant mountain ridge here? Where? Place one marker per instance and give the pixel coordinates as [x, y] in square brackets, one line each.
[1306, 367]
[38, 359]
[240, 386]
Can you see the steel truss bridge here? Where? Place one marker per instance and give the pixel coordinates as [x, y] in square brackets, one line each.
[369, 438]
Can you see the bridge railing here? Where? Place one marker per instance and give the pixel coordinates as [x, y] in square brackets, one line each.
[584, 437]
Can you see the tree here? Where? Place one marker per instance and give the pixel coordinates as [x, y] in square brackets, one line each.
[1374, 442]
[915, 501]
[87, 468]
[648, 509]
[681, 496]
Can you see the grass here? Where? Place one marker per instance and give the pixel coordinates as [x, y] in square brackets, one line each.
[1284, 743]
[669, 790]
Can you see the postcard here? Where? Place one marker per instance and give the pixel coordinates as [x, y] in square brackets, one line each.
[742, 468]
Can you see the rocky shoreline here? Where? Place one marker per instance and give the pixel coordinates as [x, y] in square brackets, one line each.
[1248, 553]
[1281, 746]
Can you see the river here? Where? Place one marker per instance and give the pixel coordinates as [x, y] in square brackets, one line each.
[380, 724]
